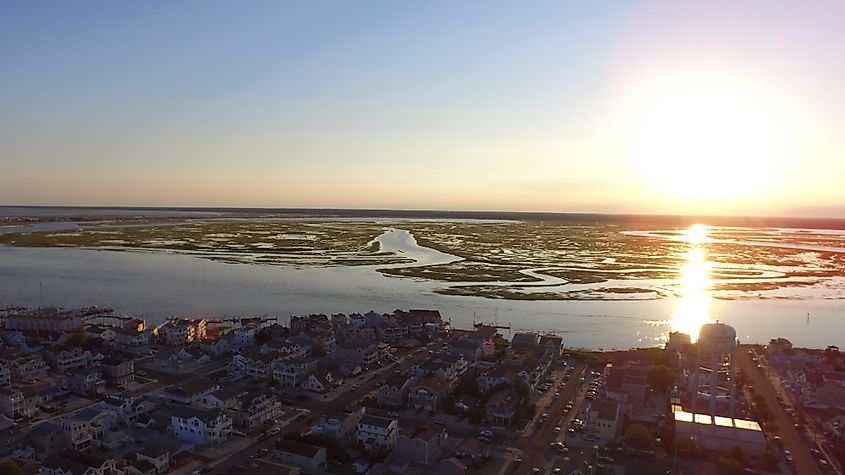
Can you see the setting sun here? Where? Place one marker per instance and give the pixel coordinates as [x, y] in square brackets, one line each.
[708, 138]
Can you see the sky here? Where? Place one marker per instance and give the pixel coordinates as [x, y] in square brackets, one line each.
[718, 107]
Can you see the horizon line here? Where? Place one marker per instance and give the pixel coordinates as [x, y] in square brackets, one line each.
[435, 212]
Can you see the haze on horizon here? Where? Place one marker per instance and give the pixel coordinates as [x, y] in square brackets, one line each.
[649, 107]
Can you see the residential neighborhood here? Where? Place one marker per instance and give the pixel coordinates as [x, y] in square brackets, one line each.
[398, 393]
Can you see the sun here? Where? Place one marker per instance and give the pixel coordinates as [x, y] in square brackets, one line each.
[707, 138]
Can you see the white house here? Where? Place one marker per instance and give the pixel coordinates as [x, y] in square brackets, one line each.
[377, 432]
[201, 427]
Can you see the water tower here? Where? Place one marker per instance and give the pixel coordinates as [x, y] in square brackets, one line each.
[715, 364]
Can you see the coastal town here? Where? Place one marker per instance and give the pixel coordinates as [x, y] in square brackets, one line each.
[86, 391]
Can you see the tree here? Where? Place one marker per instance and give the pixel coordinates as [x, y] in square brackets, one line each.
[80, 340]
[500, 342]
[661, 377]
[761, 407]
[263, 336]
[467, 385]
[318, 351]
[638, 436]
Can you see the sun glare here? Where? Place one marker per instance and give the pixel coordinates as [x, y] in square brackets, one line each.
[708, 139]
[692, 310]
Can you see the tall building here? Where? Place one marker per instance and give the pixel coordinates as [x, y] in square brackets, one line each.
[713, 380]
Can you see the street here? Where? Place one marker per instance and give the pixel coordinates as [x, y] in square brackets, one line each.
[805, 463]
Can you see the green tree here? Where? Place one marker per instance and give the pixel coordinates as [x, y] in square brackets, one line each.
[467, 385]
[638, 436]
[80, 340]
[761, 407]
[661, 377]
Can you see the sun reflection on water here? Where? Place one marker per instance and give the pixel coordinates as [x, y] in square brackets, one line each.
[692, 310]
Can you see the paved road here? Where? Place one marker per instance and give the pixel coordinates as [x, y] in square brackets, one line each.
[805, 463]
[535, 447]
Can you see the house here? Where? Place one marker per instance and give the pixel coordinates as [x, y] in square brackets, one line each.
[128, 410]
[553, 346]
[139, 467]
[12, 403]
[603, 421]
[276, 331]
[86, 381]
[340, 425]
[428, 393]
[132, 341]
[11, 442]
[320, 383]
[375, 432]
[177, 332]
[390, 331]
[324, 339]
[26, 368]
[310, 459]
[23, 401]
[779, 347]
[158, 457]
[627, 384]
[118, 371]
[222, 398]
[524, 341]
[46, 438]
[88, 426]
[200, 426]
[245, 336]
[287, 346]
[501, 407]
[63, 359]
[498, 376]
[292, 371]
[394, 391]
[468, 349]
[253, 409]
[458, 363]
[258, 366]
[529, 368]
[190, 392]
[193, 353]
[5, 374]
[358, 353]
[441, 369]
[217, 347]
[358, 320]
[74, 462]
[830, 396]
[419, 444]
[78, 431]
